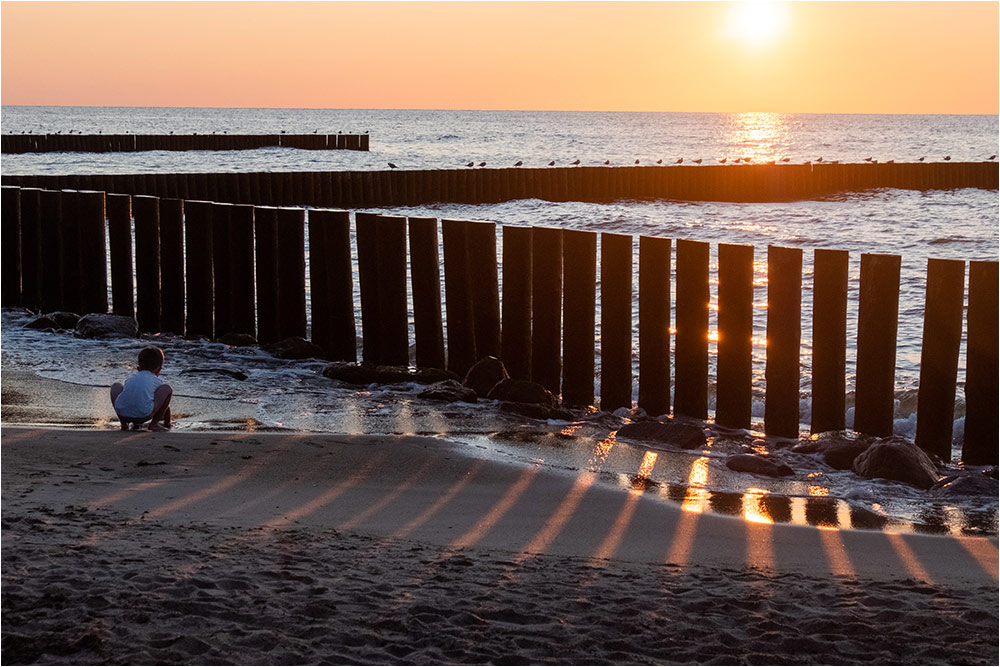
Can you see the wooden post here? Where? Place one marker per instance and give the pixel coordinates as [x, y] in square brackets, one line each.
[515, 341]
[146, 210]
[654, 325]
[425, 283]
[829, 332]
[784, 336]
[265, 225]
[222, 269]
[939, 355]
[120, 244]
[733, 398]
[878, 313]
[291, 272]
[31, 247]
[72, 276]
[616, 321]
[394, 325]
[172, 266]
[546, 302]
[484, 287]
[458, 297]
[11, 262]
[980, 444]
[579, 316]
[367, 241]
[331, 284]
[199, 267]
[691, 355]
[93, 256]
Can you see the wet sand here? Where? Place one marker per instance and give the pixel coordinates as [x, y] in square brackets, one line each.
[214, 548]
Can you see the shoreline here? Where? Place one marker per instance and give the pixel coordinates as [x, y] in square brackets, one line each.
[194, 547]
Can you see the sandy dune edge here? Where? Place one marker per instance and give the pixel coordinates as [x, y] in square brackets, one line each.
[251, 548]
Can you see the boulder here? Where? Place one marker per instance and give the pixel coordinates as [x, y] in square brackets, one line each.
[484, 375]
[432, 375]
[57, 320]
[237, 340]
[758, 465]
[522, 391]
[530, 410]
[449, 390]
[897, 459]
[364, 375]
[838, 448]
[685, 436]
[96, 325]
[294, 348]
[966, 484]
[234, 373]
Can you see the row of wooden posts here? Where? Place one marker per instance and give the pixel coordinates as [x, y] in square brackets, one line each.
[129, 143]
[403, 187]
[207, 269]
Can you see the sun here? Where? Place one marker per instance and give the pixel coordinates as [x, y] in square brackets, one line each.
[755, 22]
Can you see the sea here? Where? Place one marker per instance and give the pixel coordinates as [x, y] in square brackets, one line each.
[955, 224]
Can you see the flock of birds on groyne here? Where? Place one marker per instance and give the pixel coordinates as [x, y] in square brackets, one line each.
[724, 160]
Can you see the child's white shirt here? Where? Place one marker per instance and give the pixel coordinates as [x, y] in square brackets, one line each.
[136, 399]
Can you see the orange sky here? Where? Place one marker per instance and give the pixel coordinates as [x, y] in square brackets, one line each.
[862, 57]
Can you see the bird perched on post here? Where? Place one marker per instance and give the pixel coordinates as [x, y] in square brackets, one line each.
[819, 159]
[575, 163]
[637, 162]
[470, 164]
[607, 162]
[723, 160]
[698, 161]
[868, 159]
[922, 159]
[947, 158]
[391, 165]
[552, 164]
[992, 157]
[660, 161]
[518, 163]
[680, 161]
[482, 164]
[785, 159]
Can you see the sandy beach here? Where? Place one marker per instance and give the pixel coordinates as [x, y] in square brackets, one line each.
[254, 548]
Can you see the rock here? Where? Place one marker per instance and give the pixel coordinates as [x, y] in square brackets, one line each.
[57, 320]
[530, 410]
[757, 465]
[96, 325]
[897, 459]
[237, 340]
[234, 373]
[838, 448]
[432, 375]
[967, 484]
[449, 390]
[294, 348]
[362, 375]
[685, 436]
[522, 391]
[484, 375]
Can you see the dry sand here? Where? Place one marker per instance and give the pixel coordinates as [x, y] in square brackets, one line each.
[249, 548]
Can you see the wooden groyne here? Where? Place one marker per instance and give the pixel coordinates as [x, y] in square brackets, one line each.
[360, 189]
[245, 272]
[131, 143]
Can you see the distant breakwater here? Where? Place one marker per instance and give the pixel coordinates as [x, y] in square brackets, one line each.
[131, 143]
[399, 187]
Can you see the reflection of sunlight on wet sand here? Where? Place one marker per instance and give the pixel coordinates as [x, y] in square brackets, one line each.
[613, 539]
[446, 498]
[601, 450]
[984, 551]
[695, 497]
[760, 548]
[908, 558]
[388, 498]
[497, 512]
[680, 547]
[557, 521]
[836, 553]
[754, 510]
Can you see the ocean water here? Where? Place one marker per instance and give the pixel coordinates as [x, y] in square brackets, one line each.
[957, 224]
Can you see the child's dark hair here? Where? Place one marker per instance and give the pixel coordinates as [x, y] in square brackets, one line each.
[150, 358]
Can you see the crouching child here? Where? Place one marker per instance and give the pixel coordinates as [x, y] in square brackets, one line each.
[144, 396]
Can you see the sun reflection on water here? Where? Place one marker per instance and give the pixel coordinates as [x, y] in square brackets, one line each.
[759, 136]
[754, 509]
[696, 497]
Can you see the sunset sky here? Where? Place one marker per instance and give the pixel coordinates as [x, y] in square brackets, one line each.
[857, 57]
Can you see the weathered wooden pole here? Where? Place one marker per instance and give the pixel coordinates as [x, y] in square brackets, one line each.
[942, 338]
[516, 339]
[265, 226]
[691, 354]
[481, 238]
[733, 399]
[120, 245]
[784, 334]
[367, 241]
[199, 267]
[93, 255]
[394, 324]
[579, 316]
[172, 266]
[458, 297]
[69, 260]
[30, 247]
[291, 266]
[829, 348]
[878, 313]
[222, 269]
[146, 211]
[616, 321]
[654, 325]
[980, 444]
[546, 306]
[425, 283]
[11, 255]
[331, 284]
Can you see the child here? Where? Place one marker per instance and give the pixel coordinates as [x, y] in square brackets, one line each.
[144, 397]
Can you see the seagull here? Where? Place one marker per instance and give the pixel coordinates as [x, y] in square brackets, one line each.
[835, 162]
[993, 157]
[868, 159]
[890, 162]
[607, 162]
[785, 159]
[314, 131]
[575, 163]
[698, 161]
[552, 164]
[518, 163]
[747, 159]
[660, 161]
[391, 165]
[637, 162]
[723, 160]
[947, 158]
[679, 161]
[470, 164]
[819, 159]
[922, 159]
[482, 164]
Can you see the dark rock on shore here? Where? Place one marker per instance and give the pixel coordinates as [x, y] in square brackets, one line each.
[522, 391]
[536, 411]
[449, 390]
[234, 373]
[237, 340]
[897, 459]
[685, 436]
[293, 348]
[362, 375]
[838, 448]
[966, 484]
[57, 320]
[484, 375]
[96, 325]
[757, 465]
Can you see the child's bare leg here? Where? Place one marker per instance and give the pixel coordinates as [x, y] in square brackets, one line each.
[117, 389]
[161, 408]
